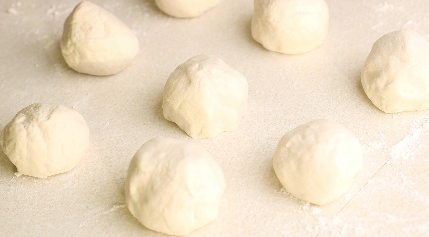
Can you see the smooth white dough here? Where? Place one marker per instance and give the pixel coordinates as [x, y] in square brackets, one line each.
[205, 97]
[186, 8]
[290, 26]
[44, 140]
[318, 161]
[96, 42]
[395, 76]
[173, 186]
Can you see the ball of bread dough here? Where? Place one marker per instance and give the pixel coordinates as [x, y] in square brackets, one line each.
[205, 97]
[173, 186]
[44, 140]
[96, 42]
[290, 26]
[318, 161]
[186, 8]
[395, 76]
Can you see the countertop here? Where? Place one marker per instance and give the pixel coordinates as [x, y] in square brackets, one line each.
[390, 197]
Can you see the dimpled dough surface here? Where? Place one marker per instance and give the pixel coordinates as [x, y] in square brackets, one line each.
[44, 140]
[205, 97]
[96, 42]
[395, 75]
[173, 186]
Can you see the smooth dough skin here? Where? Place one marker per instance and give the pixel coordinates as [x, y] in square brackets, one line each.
[186, 8]
[318, 161]
[173, 186]
[44, 140]
[96, 42]
[395, 76]
[290, 26]
[205, 97]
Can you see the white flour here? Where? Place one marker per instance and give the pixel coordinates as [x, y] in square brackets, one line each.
[407, 147]
[399, 182]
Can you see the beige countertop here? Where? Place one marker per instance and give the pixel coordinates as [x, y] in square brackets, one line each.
[389, 198]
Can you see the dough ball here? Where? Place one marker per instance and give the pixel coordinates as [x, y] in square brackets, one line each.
[290, 26]
[318, 161]
[173, 186]
[186, 8]
[44, 140]
[96, 42]
[395, 76]
[205, 97]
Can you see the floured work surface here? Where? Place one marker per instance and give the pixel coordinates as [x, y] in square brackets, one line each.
[390, 196]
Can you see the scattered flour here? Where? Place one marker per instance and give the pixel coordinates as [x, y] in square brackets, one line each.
[97, 216]
[384, 7]
[407, 24]
[315, 210]
[348, 196]
[58, 10]
[407, 147]
[114, 208]
[383, 11]
[374, 145]
[302, 205]
[399, 181]
[378, 25]
[12, 9]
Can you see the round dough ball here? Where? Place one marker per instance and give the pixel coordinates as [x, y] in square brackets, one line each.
[186, 8]
[44, 140]
[290, 26]
[173, 186]
[205, 97]
[318, 161]
[96, 42]
[395, 76]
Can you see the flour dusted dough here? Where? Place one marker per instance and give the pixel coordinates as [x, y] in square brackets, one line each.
[205, 97]
[186, 8]
[318, 161]
[96, 42]
[173, 186]
[290, 26]
[44, 140]
[395, 76]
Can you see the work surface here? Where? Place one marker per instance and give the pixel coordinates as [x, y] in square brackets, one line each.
[390, 197]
